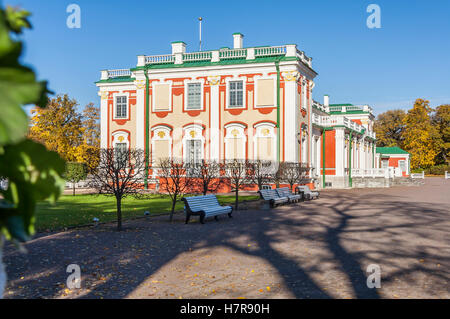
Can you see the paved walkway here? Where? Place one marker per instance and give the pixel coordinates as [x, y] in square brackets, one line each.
[318, 249]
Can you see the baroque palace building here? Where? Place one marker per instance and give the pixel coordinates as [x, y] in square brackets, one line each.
[240, 103]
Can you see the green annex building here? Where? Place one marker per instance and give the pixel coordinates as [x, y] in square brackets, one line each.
[395, 158]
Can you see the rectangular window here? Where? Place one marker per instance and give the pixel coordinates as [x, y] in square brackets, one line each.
[194, 96]
[384, 163]
[402, 165]
[121, 107]
[120, 150]
[193, 151]
[236, 94]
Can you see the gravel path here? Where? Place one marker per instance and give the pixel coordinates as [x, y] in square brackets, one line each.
[317, 249]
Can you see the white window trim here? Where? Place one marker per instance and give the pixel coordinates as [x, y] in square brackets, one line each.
[259, 77]
[244, 94]
[304, 95]
[115, 96]
[116, 136]
[154, 85]
[258, 134]
[404, 162]
[202, 92]
[198, 129]
[229, 136]
[167, 130]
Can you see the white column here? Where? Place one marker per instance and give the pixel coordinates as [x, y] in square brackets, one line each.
[140, 111]
[214, 129]
[290, 117]
[103, 119]
[340, 153]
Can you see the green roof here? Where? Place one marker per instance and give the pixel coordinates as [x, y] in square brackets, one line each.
[390, 150]
[118, 79]
[345, 104]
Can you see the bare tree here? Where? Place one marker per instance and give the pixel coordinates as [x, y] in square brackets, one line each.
[175, 179]
[206, 176]
[292, 173]
[119, 173]
[262, 172]
[238, 173]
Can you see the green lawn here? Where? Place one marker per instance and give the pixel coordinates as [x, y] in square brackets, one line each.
[81, 209]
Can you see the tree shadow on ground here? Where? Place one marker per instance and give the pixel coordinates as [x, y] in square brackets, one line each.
[350, 232]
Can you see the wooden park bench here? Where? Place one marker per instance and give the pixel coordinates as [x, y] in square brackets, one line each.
[308, 193]
[271, 196]
[285, 192]
[205, 206]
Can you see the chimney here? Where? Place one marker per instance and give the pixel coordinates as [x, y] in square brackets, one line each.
[326, 100]
[238, 42]
[178, 47]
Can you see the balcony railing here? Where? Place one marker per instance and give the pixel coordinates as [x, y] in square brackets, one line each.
[197, 56]
[270, 51]
[330, 121]
[319, 106]
[232, 54]
[350, 108]
[289, 50]
[118, 73]
[159, 59]
[226, 54]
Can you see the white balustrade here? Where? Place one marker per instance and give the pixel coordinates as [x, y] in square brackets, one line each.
[233, 53]
[370, 172]
[281, 50]
[270, 51]
[158, 59]
[418, 175]
[197, 56]
[447, 175]
[118, 73]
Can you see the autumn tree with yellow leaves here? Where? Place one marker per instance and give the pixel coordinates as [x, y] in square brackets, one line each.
[61, 128]
[389, 128]
[420, 135]
[89, 151]
[441, 120]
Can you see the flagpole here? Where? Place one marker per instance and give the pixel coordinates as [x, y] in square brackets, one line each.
[200, 31]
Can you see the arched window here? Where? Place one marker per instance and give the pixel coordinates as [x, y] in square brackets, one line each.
[120, 142]
[235, 141]
[120, 139]
[265, 147]
[161, 143]
[193, 144]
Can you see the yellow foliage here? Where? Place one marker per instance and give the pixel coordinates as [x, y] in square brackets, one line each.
[62, 129]
[420, 135]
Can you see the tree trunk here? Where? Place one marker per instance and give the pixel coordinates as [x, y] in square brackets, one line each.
[119, 213]
[237, 199]
[174, 201]
[2, 269]
[73, 187]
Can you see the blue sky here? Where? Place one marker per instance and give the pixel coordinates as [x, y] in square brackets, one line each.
[387, 68]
